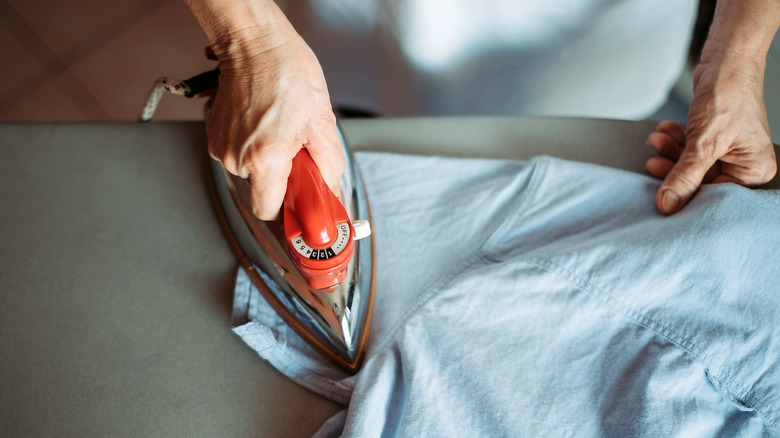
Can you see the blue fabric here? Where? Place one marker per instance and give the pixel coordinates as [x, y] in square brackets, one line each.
[550, 298]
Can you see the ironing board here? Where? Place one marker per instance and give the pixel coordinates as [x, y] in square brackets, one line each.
[116, 282]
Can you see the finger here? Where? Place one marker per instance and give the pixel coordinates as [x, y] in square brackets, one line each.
[673, 129]
[325, 149]
[220, 138]
[267, 199]
[665, 145]
[659, 167]
[683, 180]
[268, 175]
[230, 159]
[722, 179]
[712, 174]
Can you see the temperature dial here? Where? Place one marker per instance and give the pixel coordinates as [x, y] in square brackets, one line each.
[317, 226]
[342, 239]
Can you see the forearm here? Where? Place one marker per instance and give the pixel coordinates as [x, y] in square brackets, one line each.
[742, 30]
[238, 28]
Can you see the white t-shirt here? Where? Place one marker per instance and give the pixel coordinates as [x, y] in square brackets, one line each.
[592, 58]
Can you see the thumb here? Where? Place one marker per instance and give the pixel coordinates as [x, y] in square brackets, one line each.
[683, 180]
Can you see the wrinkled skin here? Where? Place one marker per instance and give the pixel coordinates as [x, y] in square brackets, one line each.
[726, 139]
[268, 106]
[727, 134]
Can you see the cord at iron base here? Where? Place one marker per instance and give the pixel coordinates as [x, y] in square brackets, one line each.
[180, 87]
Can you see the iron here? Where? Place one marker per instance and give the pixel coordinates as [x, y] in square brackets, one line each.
[315, 267]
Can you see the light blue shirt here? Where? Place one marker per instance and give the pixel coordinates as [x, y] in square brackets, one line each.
[550, 298]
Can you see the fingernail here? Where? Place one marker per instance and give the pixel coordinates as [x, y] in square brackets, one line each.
[670, 201]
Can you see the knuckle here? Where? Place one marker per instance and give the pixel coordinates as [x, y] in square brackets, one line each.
[261, 158]
[266, 201]
[230, 162]
[214, 154]
[761, 173]
[771, 170]
[687, 175]
[756, 172]
[220, 153]
[261, 213]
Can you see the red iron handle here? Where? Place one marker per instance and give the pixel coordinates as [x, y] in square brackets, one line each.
[310, 199]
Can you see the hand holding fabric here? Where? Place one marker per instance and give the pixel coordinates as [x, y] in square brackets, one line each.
[726, 139]
[727, 135]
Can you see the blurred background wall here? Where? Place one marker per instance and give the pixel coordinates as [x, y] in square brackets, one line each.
[95, 60]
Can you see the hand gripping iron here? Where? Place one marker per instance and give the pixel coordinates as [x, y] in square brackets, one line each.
[309, 266]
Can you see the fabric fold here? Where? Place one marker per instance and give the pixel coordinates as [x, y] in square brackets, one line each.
[550, 298]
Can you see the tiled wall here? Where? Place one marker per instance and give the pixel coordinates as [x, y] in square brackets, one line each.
[95, 59]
